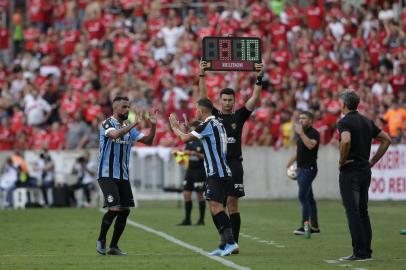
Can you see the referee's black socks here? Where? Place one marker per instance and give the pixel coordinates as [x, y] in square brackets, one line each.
[222, 223]
[235, 221]
[119, 226]
[188, 209]
[202, 209]
[106, 223]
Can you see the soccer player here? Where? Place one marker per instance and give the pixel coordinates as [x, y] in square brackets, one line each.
[195, 178]
[305, 154]
[233, 122]
[116, 138]
[213, 137]
[356, 135]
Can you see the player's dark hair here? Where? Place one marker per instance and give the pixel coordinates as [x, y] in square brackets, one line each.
[350, 99]
[227, 91]
[308, 114]
[206, 103]
[119, 98]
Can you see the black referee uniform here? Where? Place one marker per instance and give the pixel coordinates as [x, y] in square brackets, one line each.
[233, 123]
[195, 176]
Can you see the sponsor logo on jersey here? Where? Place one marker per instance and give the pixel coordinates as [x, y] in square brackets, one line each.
[231, 140]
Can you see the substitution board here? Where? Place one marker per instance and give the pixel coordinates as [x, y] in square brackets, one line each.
[232, 53]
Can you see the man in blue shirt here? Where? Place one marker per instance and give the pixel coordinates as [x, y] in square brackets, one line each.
[213, 137]
[116, 139]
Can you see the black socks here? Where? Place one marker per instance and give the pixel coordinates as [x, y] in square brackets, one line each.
[188, 210]
[235, 221]
[119, 226]
[106, 223]
[202, 209]
[222, 223]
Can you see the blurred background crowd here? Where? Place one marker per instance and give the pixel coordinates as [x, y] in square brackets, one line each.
[63, 61]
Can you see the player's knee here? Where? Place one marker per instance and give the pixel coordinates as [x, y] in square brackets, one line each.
[215, 207]
[187, 195]
[232, 205]
[200, 196]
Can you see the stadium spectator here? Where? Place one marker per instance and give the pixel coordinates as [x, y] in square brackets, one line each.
[85, 170]
[8, 181]
[396, 118]
[44, 170]
[36, 108]
[77, 133]
[77, 49]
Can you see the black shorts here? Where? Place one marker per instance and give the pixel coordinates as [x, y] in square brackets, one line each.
[216, 189]
[195, 180]
[235, 187]
[116, 192]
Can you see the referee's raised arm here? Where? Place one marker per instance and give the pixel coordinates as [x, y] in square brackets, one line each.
[202, 84]
[253, 100]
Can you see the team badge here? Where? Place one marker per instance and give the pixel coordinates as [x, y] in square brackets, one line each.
[233, 125]
[110, 199]
[198, 149]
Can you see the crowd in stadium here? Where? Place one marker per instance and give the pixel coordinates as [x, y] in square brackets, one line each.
[70, 58]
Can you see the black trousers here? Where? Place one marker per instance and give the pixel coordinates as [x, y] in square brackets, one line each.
[354, 187]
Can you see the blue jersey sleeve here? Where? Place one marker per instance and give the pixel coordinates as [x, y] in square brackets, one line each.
[203, 130]
[136, 135]
[106, 127]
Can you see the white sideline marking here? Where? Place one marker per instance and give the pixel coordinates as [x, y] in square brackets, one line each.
[262, 241]
[188, 246]
[346, 265]
[331, 261]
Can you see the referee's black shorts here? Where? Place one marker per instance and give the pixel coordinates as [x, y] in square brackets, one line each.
[195, 180]
[235, 186]
[116, 193]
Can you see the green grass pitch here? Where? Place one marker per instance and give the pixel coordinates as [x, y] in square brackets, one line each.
[65, 239]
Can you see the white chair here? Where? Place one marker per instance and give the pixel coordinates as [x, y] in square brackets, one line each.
[3, 198]
[20, 198]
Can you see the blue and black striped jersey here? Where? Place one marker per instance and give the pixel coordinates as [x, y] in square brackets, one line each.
[114, 154]
[214, 140]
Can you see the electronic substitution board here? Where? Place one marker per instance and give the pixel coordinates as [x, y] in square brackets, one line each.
[232, 53]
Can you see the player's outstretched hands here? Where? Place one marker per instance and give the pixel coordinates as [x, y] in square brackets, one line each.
[173, 121]
[203, 66]
[260, 68]
[152, 117]
[185, 125]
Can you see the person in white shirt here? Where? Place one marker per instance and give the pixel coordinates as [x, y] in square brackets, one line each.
[36, 108]
[171, 35]
[44, 168]
[8, 180]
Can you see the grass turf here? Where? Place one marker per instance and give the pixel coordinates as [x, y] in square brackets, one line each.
[65, 238]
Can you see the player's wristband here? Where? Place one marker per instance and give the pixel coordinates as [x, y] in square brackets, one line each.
[259, 80]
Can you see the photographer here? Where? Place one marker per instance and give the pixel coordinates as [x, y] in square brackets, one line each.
[85, 170]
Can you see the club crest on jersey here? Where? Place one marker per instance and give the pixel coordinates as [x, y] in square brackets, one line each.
[198, 149]
[233, 125]
[110, 198]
